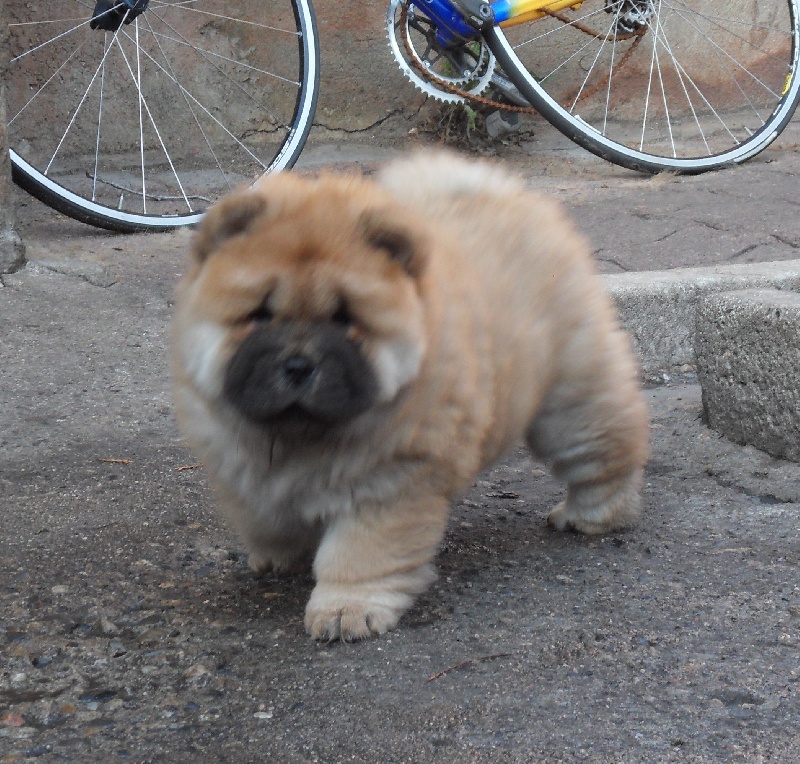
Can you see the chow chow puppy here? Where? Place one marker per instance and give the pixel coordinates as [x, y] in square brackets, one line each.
[349, 353]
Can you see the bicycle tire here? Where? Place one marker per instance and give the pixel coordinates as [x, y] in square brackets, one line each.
[151, 123]
[671, 105]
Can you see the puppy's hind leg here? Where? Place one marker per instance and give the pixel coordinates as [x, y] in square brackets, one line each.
[593, 430]
[595, 508]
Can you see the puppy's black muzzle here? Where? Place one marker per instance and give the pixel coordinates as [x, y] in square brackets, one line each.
[298, 370]
[289, 374]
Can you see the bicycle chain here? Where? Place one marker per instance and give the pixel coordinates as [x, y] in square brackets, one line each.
[511, 107]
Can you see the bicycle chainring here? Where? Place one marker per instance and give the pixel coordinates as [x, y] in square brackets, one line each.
[446, 75]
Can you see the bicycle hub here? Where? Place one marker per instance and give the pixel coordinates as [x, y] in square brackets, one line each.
[109, 15]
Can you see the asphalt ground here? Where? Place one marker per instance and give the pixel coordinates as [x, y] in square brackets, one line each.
[132, 630]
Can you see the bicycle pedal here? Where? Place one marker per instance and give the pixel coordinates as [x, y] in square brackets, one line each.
[500, 123]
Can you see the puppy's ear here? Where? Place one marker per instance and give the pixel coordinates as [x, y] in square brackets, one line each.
[396, 239]
[229, 217]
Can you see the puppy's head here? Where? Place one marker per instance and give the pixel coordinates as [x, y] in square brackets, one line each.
[303, 304]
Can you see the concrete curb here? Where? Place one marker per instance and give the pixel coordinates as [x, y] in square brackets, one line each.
[658, 308]
[748, 353]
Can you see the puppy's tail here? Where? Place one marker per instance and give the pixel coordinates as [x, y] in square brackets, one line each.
[440, 174]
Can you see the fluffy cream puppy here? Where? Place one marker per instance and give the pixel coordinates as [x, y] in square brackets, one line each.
[349, 353]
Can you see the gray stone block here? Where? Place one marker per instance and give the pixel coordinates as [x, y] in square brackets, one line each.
[658, 308]
[747, 345]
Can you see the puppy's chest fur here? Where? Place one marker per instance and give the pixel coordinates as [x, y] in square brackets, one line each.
[276, 482]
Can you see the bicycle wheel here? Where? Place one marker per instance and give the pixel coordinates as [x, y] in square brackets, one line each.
[653, 85]
[144, 124]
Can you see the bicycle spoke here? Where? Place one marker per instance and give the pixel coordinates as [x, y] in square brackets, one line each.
[719, 49]
[77, 111]
[683, 73]
[684, 77]
[717, 20]
[265, 27]
[576, 55]
[726, 67]
[141, 125]
[206, 111]
[45, 84]
[656, 36]
[210, 53]
[99, 120]
[48, 42]
[589, 73]
[572, 23]
[197, 122]
[610, 74]
[202, 53]
[143, 104]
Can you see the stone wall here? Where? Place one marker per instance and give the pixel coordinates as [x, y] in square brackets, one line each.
[360, 83]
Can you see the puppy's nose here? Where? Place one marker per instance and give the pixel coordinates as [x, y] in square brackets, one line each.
[298, 369]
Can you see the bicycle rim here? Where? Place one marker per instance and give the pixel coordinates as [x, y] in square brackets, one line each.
[145, 126]
[680, 85]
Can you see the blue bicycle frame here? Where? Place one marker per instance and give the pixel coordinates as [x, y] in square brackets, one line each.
[453, 27]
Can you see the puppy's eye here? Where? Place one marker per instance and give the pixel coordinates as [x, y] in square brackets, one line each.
[342, 316]
[261, 313]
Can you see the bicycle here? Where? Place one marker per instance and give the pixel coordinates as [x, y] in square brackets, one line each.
[652, 85]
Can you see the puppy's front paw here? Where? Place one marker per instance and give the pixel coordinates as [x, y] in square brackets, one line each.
[353, 611]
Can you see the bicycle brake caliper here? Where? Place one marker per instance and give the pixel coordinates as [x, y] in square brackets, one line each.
[110, 14]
